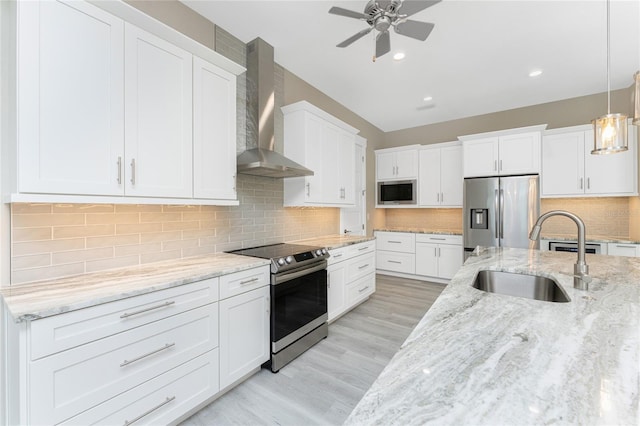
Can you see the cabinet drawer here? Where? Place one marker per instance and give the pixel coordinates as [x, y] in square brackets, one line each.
[439, 239]
[338, 255]
[362, 248]
[361, 289]
[360, 266]
[403, 242]
[72, 381]
[629, 250]
[396, 262]
[71, 329]
[241, 282]
[160, 400]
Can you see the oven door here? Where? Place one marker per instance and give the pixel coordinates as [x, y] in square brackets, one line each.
[298, 304]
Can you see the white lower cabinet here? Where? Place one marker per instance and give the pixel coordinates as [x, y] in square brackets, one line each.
[621, 249]
[438, 256]
[396, 252]
[148, 359]
[351, 277]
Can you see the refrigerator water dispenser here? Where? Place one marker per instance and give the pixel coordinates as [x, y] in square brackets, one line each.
[479, 218]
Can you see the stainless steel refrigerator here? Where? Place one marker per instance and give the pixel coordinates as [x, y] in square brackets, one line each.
[500, 211]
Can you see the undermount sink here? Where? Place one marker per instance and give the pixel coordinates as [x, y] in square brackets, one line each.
[520, 285]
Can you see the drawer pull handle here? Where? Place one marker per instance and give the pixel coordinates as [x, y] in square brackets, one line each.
[164, 348]
[395, 242]
[338, 255]
[437, 239]
[146, 413]
[164, 305]
[363, 289]
[394, 261]
[623, 246]
[363, 248]
[363, 266]
[252, 280]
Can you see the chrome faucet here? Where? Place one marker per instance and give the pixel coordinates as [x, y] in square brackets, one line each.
[581, 278]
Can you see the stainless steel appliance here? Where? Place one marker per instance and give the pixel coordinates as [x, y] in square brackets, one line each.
[572, 246]
[500, 211]
[298, 298]
[397, 192]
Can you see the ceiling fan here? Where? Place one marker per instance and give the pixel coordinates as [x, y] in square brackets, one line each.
[383, 14]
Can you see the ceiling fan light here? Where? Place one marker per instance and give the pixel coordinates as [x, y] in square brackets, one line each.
[610, 134]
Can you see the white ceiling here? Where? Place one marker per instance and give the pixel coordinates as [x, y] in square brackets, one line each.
[476, 60]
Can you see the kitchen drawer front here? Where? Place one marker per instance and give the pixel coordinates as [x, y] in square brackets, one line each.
[360, 266]
[70, 382]
[439, 239]
[396, 262]
[163, 399]
[244, 281]
[619, 249]
[71, 329]
[362, 248]
[338, 255]
[359, 290]
[403, 242]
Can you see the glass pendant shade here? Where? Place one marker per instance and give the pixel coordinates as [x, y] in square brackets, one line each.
[610, 134]
[636, 99]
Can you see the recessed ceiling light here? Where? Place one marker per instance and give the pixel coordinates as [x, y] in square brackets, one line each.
[535, 73]
[427, 98]
[399, 56]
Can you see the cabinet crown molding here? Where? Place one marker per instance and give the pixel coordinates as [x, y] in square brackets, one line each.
[506, 132]
[308, 107]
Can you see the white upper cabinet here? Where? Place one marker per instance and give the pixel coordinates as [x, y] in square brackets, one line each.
[214, 132]
[440, 177]
[569, 168]
[158, 80]
[397, 163]
[109, 111]
[70, 99]
[325, 145]
[507, 152]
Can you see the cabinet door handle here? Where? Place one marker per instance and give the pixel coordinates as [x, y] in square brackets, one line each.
[439, 252]
[495, 165]
[138, 358]
[133, 171]
[500, 165]
[588, 183]
[394, 261]
[146, 413]
[252, 280]
[437, 196]
[363, 266]
[235, 182]
[442, 197]
[581, 182]
[435, 252]
[308, 189]
[328, 280]
[119, 170]
[163, 305]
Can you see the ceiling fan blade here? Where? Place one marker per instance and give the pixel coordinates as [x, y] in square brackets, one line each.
[346, 12]
[355, 37]
[415, 29]
[383, 43]
[409, 7]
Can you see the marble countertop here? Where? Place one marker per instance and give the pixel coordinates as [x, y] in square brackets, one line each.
[489, 359]
[421, 230]
[46, 298]
[590, 239]
[334, 241]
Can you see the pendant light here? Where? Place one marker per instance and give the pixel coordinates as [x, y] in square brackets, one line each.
[609, 131]
[636, 99]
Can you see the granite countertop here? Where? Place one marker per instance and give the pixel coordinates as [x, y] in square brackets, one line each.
[590, 239]
[46, 298]
[421, 230]
[487, 359]
[334, 241]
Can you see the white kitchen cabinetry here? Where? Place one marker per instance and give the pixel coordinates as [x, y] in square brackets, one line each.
[440, 178]
[621, 249]
[438, 256]
[106, 109]
[244, 324]
[69, 99]
[395, 252]
[569, 169]
[397, 163]
[151, 358]
[350, 277]
[507, 152]
[214, 132]
[325, 145]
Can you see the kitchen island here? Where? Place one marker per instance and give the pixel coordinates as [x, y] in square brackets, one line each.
[489, 359]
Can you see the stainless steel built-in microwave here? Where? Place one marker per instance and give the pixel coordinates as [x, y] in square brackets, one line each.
[398, 192]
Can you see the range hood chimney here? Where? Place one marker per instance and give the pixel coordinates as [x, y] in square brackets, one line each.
[263, 160]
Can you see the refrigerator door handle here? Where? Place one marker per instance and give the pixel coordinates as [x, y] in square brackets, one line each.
[495, 214]
[502, 213]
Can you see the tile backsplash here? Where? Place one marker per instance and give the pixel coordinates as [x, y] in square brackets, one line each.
[57, 240]
[435, 219]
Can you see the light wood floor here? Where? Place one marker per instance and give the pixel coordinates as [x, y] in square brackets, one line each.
[324, 384]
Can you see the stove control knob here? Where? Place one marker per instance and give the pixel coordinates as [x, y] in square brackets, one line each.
[281, 261]
[324, 251]
[289, 259]
[318, 252]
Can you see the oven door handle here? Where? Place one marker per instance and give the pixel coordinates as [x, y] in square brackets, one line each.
[284, 277]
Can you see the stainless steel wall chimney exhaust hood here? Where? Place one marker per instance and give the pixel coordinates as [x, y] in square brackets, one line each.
[263, 160]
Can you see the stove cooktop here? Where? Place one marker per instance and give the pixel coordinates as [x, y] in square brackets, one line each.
[285, 256]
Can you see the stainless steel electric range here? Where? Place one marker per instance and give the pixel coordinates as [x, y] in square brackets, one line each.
[298, 298]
